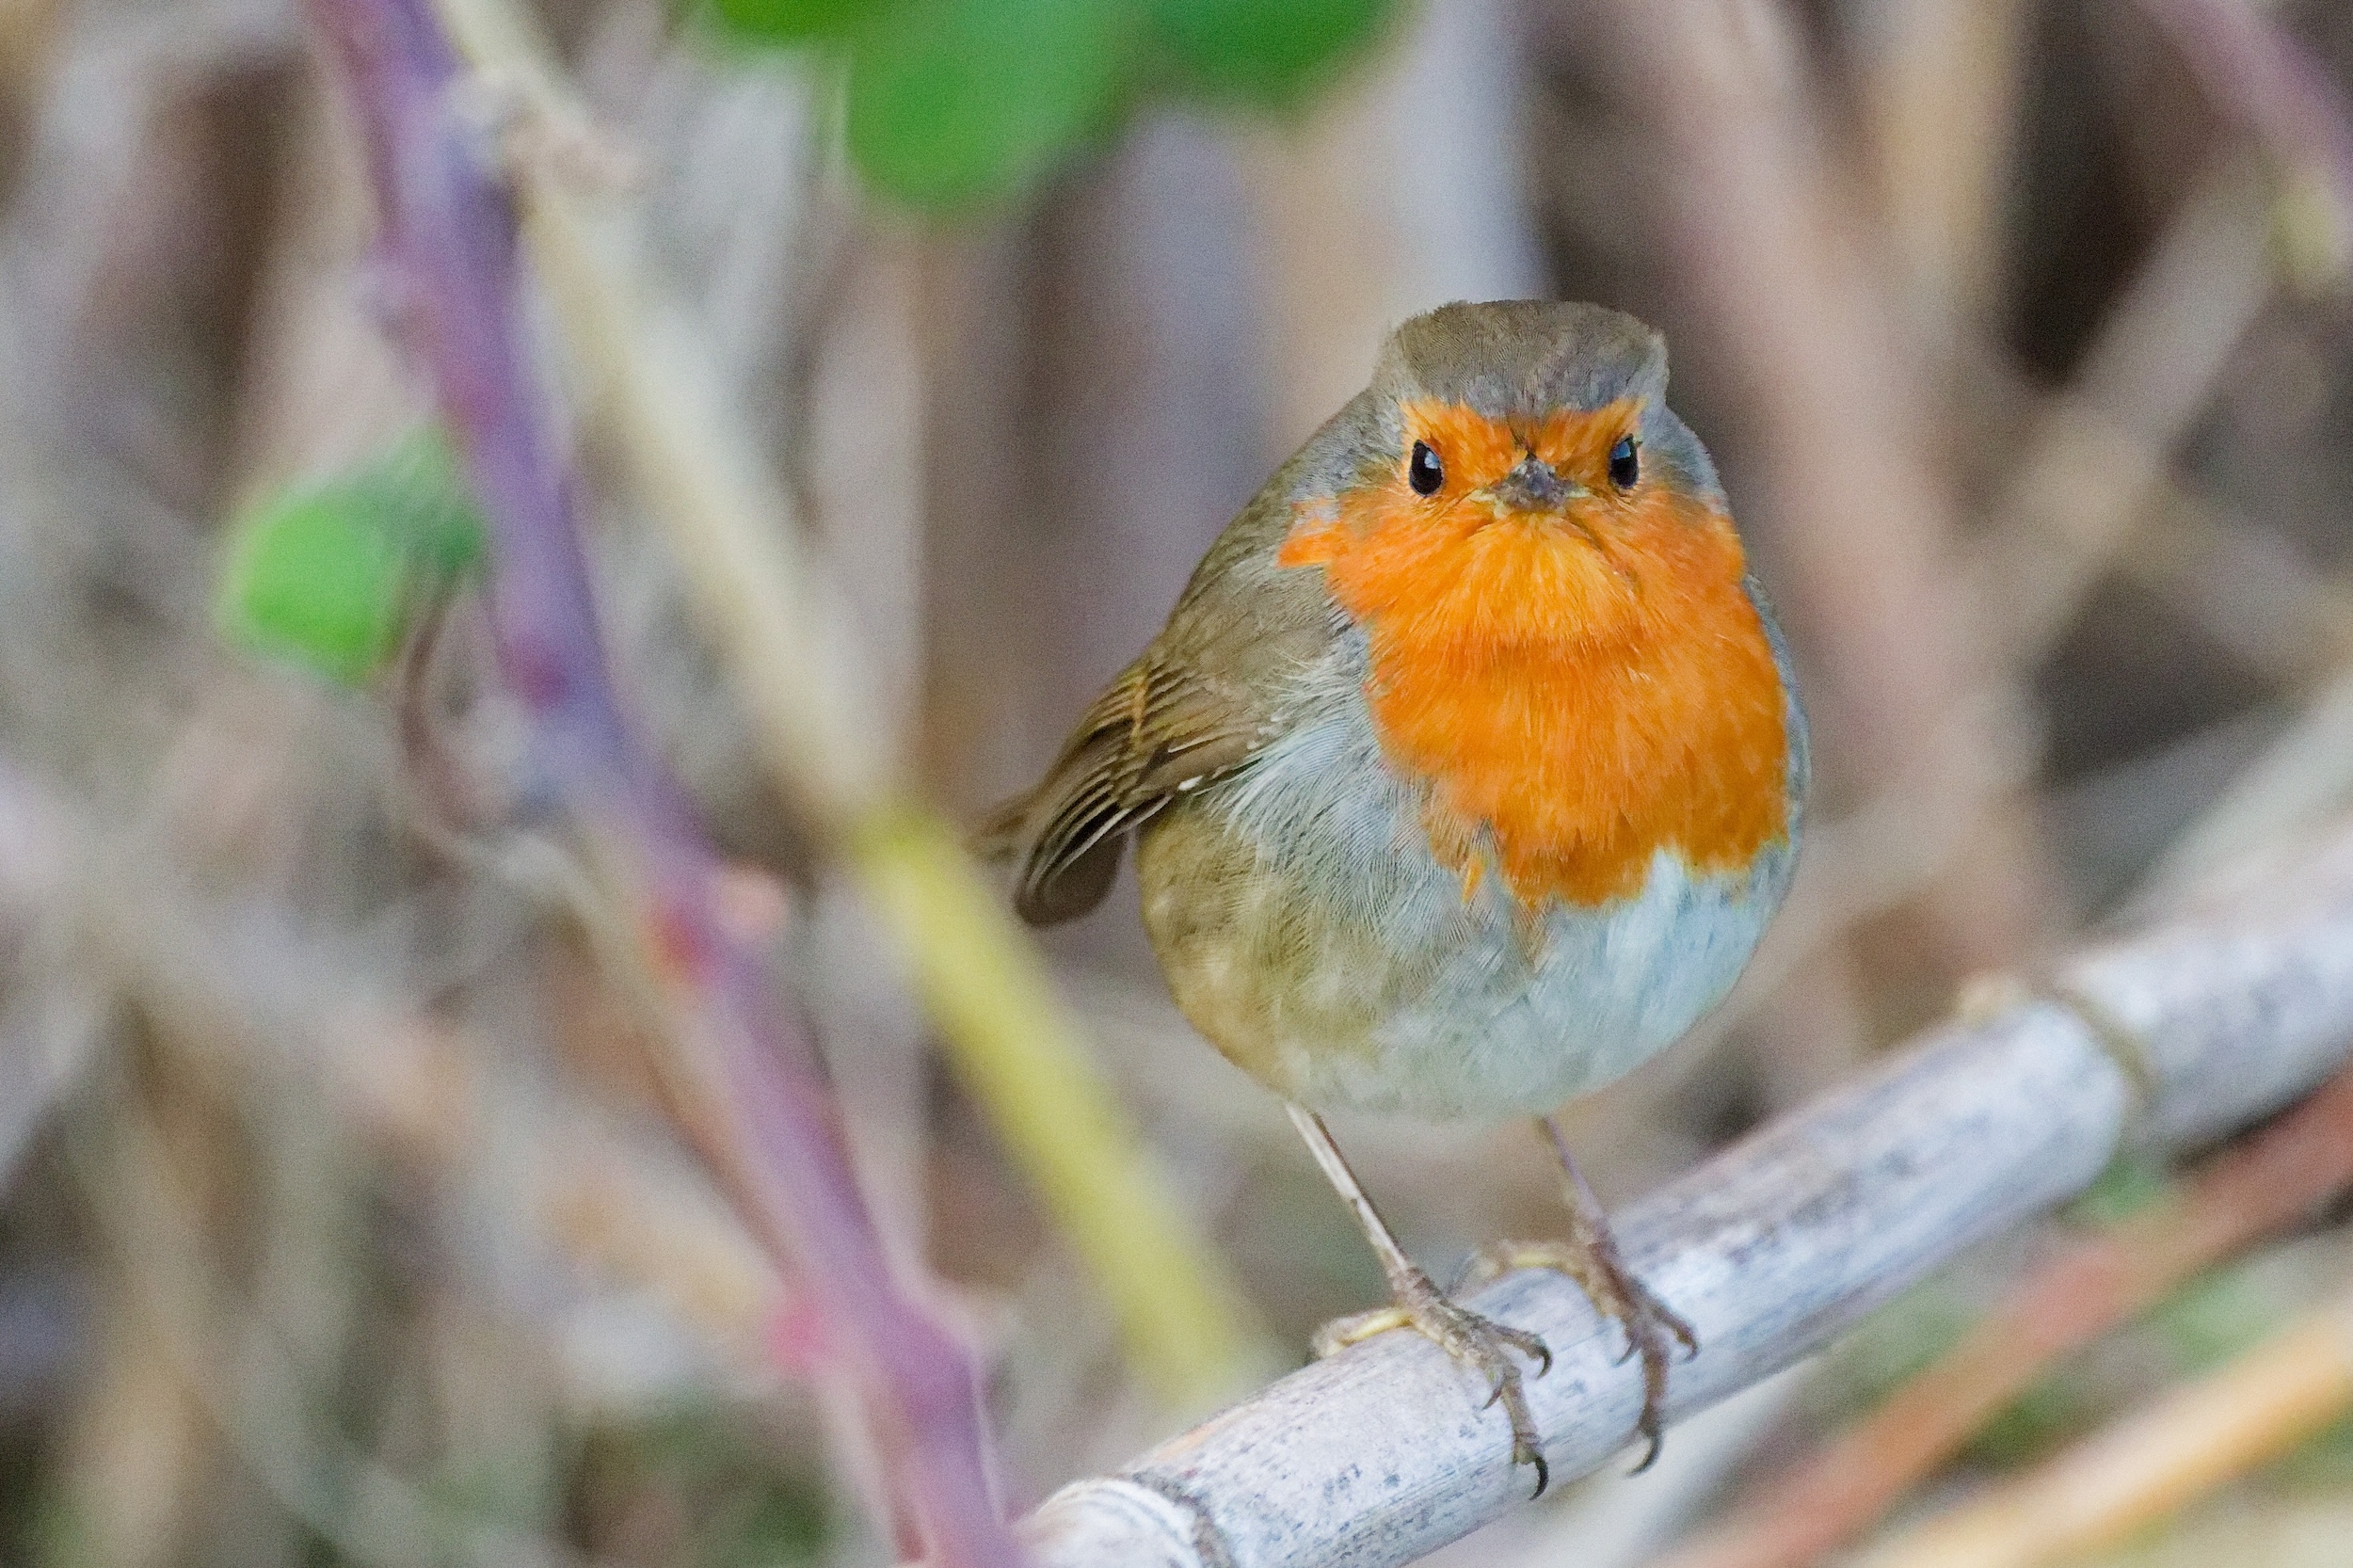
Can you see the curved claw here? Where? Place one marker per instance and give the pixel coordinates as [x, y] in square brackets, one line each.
[1651, 1429]
[1653, 1330]
[1478, 1342]
[1526, 1449]
[1529, 1345]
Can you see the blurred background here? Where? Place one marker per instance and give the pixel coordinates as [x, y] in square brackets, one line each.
[340, 1217]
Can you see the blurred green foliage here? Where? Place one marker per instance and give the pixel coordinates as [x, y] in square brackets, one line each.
[950, 103]
[2126, 1187]
[328, 575]
[2212, 1318]
[1270, 52]
[1908, 1335]
[949, 99]
[698, 1486]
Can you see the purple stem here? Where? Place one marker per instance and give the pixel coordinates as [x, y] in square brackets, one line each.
[2260, 75]
[450, 240]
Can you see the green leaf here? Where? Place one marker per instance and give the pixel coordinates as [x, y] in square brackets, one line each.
[307, 583]
[952, 102]
[1272, 53]
[328, 575]
[790, 21]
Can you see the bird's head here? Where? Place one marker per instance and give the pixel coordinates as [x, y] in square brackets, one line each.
[1513, 471]
[1561, 643]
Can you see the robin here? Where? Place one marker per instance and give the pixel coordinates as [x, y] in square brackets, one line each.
[1464, 778]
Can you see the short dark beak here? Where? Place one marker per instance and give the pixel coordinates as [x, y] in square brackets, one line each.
[1533, 487]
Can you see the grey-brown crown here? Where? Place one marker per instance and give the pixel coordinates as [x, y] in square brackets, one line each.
[1515, 358]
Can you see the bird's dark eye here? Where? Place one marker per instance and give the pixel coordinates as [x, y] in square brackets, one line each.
[1626, 462]
[1423, 471]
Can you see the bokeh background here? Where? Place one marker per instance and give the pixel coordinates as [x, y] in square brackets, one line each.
[339, 1220]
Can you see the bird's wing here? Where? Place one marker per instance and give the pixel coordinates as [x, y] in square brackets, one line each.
[1161, 730]
[1214, 688]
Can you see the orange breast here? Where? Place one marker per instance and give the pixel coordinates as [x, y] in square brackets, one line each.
[1575, 693]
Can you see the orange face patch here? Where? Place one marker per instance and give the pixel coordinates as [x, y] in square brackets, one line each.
[1577, 689]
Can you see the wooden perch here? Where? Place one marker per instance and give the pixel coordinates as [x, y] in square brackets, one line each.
[2192, 1029]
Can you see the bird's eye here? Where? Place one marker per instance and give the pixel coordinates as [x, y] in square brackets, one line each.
[1423, 471]
[1626, 462]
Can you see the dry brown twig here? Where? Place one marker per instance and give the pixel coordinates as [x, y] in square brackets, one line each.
[2147, 1465]
[2099, 457]
[243, 1378]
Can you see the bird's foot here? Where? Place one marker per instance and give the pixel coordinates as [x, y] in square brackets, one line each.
[1479, 1343]
[1652, 1329]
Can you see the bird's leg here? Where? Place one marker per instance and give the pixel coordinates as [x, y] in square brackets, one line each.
[1590, 1257]
[1417, 1303]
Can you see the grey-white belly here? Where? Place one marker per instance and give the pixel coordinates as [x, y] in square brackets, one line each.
[1308, 929]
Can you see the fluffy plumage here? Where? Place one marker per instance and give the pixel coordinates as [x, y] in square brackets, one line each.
[1448, 804]
[1465, 775]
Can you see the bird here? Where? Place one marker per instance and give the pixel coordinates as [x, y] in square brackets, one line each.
[1464, 777]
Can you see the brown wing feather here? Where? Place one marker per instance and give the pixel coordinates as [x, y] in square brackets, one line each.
[1156, 733]
[1210, 689]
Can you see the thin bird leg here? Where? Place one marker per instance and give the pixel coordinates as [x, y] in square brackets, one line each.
[1480, 1343]
[1590, 1258]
